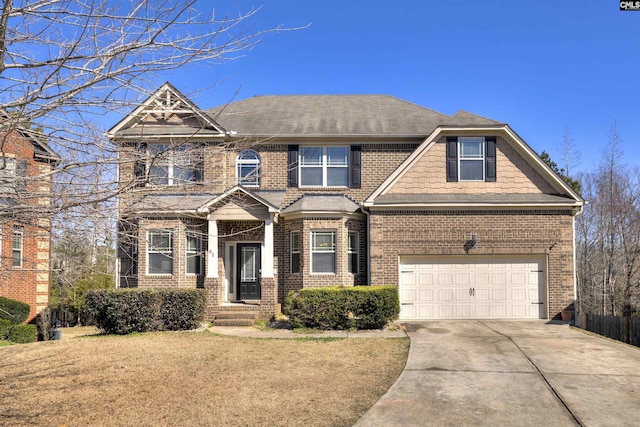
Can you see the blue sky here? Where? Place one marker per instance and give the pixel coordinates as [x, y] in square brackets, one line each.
[541, 66]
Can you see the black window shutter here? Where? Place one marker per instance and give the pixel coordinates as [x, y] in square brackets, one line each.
[292, 166]
[355, 167]
[490, 159]
[140, 165]
[21, 176]
[199, 163]
[452, 158]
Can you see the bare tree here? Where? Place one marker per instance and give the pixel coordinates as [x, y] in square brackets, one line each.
[65, 62]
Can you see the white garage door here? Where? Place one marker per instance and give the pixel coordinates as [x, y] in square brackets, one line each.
[472, 288]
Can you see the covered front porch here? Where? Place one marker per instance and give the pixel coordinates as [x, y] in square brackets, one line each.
[241, 262]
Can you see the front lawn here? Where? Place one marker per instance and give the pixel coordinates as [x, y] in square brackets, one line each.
[195, 379]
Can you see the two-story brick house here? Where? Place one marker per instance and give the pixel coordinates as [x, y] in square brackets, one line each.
[270, 194]
[26, 162]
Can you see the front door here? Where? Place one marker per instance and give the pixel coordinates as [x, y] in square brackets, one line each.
[248, 275]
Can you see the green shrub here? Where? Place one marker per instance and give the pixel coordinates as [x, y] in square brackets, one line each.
[181, 310]
[14, 311]
[124, 311]
[358, 307]
[20, 334]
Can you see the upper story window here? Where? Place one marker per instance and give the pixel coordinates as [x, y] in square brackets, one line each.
[324, 166]
[12, 175]
[471, 159]
[173, 165]
[248, 168]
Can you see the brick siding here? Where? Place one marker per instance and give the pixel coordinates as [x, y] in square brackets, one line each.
[29, 283]
[548, 233]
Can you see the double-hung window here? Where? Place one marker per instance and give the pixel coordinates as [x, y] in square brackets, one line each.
[353, 251]
[18, 245]
[471, 159]
[294, 245]
[194, 254]
[324, 166]
[160, 252]
[323, 251]
[248, 168]
[171, 165]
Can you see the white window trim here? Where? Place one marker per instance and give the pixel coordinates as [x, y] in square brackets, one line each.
[324, 166]
[257, 162]
[20, 233]
[460, 158]
[197, 253]
[335, 253]
[161, 230]
[168, 160]
[353, 251]
[291, 252]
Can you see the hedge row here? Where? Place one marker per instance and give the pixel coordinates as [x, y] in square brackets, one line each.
[20, 334]
[358, 307]
[124, 311]
[14, 311]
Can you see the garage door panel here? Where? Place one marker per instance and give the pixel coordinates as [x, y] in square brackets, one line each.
[472, 287]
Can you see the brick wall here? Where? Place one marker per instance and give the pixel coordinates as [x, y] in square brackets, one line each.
[30, 282]
[540, 232]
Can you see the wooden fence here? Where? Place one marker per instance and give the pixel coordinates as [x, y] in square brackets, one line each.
[625, 329]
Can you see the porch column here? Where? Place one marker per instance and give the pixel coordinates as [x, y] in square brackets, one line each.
[212, 249]
[267, 248]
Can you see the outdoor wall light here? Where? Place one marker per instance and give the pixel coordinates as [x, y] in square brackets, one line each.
[470, 244]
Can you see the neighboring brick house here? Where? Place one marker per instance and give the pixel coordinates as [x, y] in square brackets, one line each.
[271, 194]
[26, 163]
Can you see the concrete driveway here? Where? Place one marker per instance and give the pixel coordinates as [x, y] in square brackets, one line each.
[511, 373]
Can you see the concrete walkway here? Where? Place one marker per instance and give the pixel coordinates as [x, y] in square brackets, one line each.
[511, 373]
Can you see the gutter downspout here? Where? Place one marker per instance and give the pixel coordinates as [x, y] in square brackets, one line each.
[575, 278]
[368, 215]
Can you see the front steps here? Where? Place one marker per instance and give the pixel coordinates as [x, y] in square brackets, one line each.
[235, 316]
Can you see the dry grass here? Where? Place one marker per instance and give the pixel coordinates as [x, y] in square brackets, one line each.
[195, 379]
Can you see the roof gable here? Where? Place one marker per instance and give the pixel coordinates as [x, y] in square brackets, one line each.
[42, 151]
[421, 178]
[166, 113]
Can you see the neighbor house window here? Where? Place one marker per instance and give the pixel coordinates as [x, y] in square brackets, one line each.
[295, 251]
[471, 159]
[352, 251]
[171, 165]
[194, 254]
[324, 166]
[18, 242]
[323, 251]
[248, 168]
[160, 252]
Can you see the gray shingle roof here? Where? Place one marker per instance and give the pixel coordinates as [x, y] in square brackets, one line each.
[464, 118]
[473, 199]
[322, 203]
[309, 115]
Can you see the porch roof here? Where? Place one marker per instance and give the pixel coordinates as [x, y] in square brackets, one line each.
[472, 200]
[322, 203]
